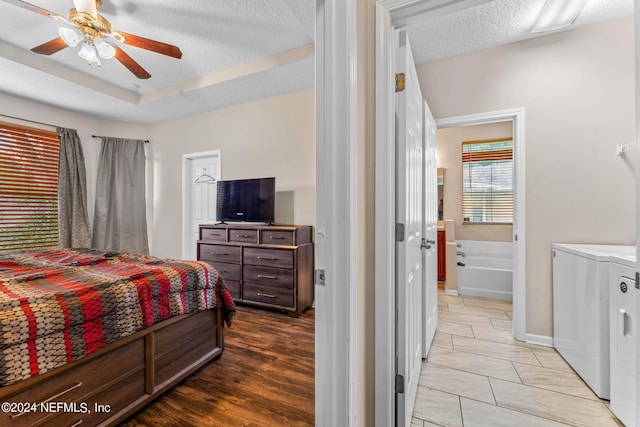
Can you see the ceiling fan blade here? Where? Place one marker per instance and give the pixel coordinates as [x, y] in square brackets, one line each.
[131, 64]
[52, 46]
[36, 9]
[148, 44]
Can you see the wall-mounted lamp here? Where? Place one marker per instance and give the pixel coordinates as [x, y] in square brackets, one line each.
[558, 14]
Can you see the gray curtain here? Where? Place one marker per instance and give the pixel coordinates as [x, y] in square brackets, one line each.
[73, 218]
[120, 221]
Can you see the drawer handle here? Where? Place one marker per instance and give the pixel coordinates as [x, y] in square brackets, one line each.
[267, 258]
[245, 236]
[276, 237]
[260, 294]
[77, 423]
[73, 387]
[260, 276]
[223, 254]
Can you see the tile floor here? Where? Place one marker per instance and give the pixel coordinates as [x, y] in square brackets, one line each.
[478, 375]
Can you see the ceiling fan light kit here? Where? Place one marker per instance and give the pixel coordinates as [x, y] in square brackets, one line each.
[91, 29]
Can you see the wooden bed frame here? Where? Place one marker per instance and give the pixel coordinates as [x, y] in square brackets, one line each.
[107, 386]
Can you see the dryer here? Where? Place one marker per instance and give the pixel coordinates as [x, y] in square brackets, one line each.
[623, 313]
[581, 309]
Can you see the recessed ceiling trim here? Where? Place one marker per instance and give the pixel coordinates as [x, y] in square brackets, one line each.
[27, 58]
[231, 73]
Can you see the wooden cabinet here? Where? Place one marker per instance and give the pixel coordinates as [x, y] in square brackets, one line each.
[442, 250]
[267, 266]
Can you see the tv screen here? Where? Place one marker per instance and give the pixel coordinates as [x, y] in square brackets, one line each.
[246, 200]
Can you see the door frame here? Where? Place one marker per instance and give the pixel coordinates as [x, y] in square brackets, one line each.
[391, 16]
[186, 180]
[517, 117]
[336, 246]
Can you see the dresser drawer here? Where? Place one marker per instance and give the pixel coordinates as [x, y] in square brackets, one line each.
[234, 288]
[268, 257]
[273, 237]
[270, 276]
[222, 253]
[227, 271]
[267, 294]
[213, 234]
[243, 236]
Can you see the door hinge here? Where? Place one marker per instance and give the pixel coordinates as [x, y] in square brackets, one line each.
[399, 383]
[399, 82]
[637, 280]
[319, 277]
[399, 232]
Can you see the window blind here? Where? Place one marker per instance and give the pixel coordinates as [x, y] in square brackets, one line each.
[29, 161]
[487, 193]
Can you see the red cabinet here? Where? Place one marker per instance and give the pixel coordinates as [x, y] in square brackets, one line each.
[442, 249]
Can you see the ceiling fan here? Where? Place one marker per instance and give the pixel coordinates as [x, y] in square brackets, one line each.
[87, 27]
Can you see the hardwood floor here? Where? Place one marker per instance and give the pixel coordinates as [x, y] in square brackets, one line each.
[265, 377]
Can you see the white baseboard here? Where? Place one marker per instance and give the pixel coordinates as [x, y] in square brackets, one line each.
[539, 340]
[487, 293]
[451, 292]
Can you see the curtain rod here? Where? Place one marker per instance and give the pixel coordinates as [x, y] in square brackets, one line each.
[30, 121]
[146, 141]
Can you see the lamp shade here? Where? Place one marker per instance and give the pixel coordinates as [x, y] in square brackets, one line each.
[105, 50]
[88, 52]
[71, 36]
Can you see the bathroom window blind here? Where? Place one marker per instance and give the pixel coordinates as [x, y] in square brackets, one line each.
[487, 181]
[29, 161]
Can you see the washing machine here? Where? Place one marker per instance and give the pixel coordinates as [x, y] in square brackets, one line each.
[581, 309]
[623, 312]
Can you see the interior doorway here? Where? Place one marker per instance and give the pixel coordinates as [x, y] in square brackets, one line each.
[517, 117]
[200, 174]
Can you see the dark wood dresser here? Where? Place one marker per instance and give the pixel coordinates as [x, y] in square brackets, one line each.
[263, 265]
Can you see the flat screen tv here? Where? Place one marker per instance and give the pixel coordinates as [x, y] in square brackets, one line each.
[250, 200]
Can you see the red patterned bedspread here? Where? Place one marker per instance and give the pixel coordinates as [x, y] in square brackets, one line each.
[59, 305]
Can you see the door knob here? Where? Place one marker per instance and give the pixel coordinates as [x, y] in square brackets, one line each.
[426, 244]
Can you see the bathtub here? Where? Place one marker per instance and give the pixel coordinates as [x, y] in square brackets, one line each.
[488, 269]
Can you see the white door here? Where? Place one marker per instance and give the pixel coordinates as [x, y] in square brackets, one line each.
[430, 234]
[409, 215]
[201, 176]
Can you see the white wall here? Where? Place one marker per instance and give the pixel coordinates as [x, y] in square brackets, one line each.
[449, 157]
[86, 126]
[270, 137]
[577, 88]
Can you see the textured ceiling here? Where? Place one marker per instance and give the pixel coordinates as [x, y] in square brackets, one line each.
[234, 51]
[496, 23]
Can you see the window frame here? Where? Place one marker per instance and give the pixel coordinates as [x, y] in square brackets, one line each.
[462, 171]
[36, 183]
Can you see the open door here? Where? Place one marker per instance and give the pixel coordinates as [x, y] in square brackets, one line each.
[430, 233]
[409, 228]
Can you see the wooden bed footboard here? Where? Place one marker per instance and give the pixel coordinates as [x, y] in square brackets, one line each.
[109, 385]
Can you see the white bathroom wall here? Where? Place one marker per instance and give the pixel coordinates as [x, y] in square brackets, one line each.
[577, 91]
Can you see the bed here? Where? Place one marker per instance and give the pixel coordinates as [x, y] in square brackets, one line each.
[89, 337]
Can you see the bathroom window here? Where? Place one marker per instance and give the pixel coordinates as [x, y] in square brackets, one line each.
[487, 181]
